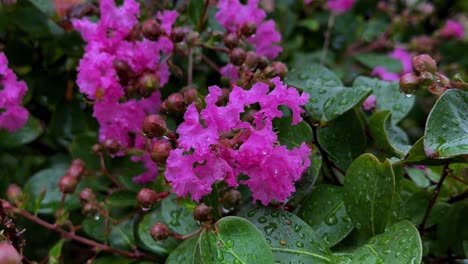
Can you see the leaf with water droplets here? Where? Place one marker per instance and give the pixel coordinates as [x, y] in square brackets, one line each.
[324, 211]
[186, 252]
[446, 133]
[388, 97]
[290, 238]
[178, 218]
[328, 97]
[388, 136]
[399, 244]
[343, 138]
[368, 193]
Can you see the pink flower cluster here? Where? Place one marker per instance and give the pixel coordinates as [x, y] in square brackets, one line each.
[12, 115]
[406, 60]
[337, 6]
[216, 145]
[369, 103]
[452, 29]
[108, 41]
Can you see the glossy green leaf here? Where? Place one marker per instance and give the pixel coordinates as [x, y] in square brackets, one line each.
[122, 198]
[343, 138]
[195, 10]
[417, 204]
[81, 148]
[187, 252]
[418, 176]
[452, 231]
[388, 137]
[388, 97]
[290, 238]
[372, 60]
[180, 219]
[292, 136]
[96, 227]
[112, 260]
[122, 236]
[399, 244]
[328, 98]
[56, 252]
[28, 133]
[234, 240]
[325, 212]
[368, 193]
[446, 133]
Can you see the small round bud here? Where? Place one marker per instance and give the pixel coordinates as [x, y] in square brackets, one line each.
[147, 198]
[77, 169]
[160, 151]
[159, 231]
[67, 184]
[426, 79]
[262, 62]
[251, 59]
[269, 72]
[192, 37]
[231, 198]
[148, 83]
[8, 254]
[409, 83]
[231, 40]
[237, 56]
[134, 34]
[442, 79]
[424, 63]
[14, 193]
[280, 68]
[248, 29]
[123, 69]
[202, 213]
[89, 209]
[175, 104]
[87, 196]
[177, 34]
[111, 146]
[190, 95]
[151, 29]
[154, 126]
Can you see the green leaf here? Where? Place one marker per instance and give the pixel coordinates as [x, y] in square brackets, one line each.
[446, 133]
[388, 97]
[95, 227]
[373, 29]
[122, 198]
[56, 252]
[417, 204]
[292, 136]
[179, 218]
[387, 136]
[195, 11]
[122, 236]
[112, 260]
[28, 133]
[290, 238]
[186, 252]
[372, 60]
[328, 98]
[343, 138]
[368, 192]
[235, 240]
[418, 176]
[452, 231]
[81, 148]
[325, 212]
[399, 244]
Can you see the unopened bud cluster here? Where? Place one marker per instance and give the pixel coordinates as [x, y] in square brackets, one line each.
[67, 184]
[147, 198]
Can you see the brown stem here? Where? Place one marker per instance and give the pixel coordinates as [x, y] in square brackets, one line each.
[458, 197]
[213, 47]
[68, 235]
[107, 173]
[179, 237]
[211, 63]
[326, 44]
[433, 198]
[12, 233]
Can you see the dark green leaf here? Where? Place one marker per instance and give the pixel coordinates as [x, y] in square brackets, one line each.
[290, 238]
[446, 133]
[368, 192]
[387, 136]
[121, 236]
[186, 252]
[325, 212]
[80, 148]
[292, 136]
[343, 138]
[56, 252]
[112, 260]
[28, 133]
[122, 198]
[179, 218]
[372, 60]
[452, 231]
[195, 11]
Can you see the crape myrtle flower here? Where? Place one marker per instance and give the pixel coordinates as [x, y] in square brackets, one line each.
[452, 29]
[215, 145]
[111, 58]
[406, 61]
[340, 6]
[12, 115]
[369, 103]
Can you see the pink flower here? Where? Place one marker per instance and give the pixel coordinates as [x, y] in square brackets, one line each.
[12, 115]
[217, 145]
[452, 29]
[340, 6]
[406, 61]
[385, 75]
[369, 103]
[308, 1]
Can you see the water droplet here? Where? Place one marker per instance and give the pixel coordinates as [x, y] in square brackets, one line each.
[314, 100]
[303, 76]
[408, 95]
[262, 220]
[175, 214]
[322, 91]
[444, 126]
[386, 251]
[252, 213]
[288, 222]
[219, 255]
[274, 214]
[282, 242]
[145, 209]
[236, 261]
[270, 228]
[96, 217]
[229, 243]
[297, 228]
[343, 102]
[331, 220]
[299, 244]
[455, 122]
[268, 241]
[346, 219]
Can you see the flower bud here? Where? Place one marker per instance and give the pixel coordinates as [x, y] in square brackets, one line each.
[159, 231]
[269, 72]
[8, 254]
[192, 37]
[248, 29]
[231, 40]
[148, 83]
[262, 62]
[280, 68]
[154, 126]
[67, 184]
[160, 151]
[251, 59]
[424, 63]
[96, 148]
[89, 209]
[123, 69]
[190, 95]
[87, 196]
[175, 104]
[177, 34]
[237, 56]
[111, 146]
[202, 213]
[231, 198]
[77, 169]
[442, 79]
[147, 198]
[426, 79]
[409, 83]
[151, 29]
[14, 193]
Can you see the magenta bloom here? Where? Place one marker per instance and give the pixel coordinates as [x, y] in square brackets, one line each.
[452, 29]
[216, 145]
[340, 6]
[406, 61]
[12, 115]
[385, 75]
[369, 103]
